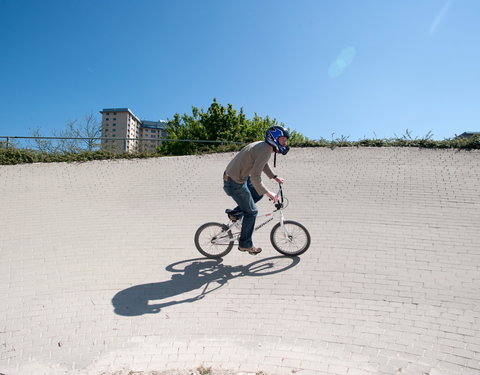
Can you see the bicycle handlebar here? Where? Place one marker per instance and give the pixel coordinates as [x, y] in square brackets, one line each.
[279, 204]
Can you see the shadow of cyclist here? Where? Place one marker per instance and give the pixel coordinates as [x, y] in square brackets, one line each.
[198, 274]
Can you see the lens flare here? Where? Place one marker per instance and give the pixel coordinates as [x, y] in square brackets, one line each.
[344, 59]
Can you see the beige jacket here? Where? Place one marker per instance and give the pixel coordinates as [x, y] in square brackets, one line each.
[251, 161]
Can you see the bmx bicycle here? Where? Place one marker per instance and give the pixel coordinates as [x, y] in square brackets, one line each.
[288, 237]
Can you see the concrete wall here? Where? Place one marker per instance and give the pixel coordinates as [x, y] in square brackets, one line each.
[99, 271]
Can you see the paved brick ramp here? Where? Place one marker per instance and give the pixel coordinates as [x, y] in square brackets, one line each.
[99, 273]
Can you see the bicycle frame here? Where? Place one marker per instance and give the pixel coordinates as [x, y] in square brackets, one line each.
[223, 238]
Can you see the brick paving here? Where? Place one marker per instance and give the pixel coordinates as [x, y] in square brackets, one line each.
[390, 285]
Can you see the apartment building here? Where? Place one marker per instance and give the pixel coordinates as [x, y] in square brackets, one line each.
[134, 135]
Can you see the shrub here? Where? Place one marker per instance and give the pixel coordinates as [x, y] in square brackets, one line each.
[12, 155]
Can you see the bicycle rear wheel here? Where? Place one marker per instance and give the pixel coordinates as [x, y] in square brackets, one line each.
[213, 240]
[292, 240]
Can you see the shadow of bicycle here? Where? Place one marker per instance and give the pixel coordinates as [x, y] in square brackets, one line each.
[204, 275]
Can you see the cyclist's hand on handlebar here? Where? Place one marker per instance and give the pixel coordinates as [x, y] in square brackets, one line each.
[279, 180]
[272, 197]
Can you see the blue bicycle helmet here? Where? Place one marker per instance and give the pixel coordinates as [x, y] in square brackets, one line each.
[271, 137]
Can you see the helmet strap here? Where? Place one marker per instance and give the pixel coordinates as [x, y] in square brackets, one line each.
[275, 159]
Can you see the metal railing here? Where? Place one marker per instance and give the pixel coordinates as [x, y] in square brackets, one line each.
[90, 141]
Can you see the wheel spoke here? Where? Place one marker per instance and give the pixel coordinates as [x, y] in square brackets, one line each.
[292, 239]
[204, 240]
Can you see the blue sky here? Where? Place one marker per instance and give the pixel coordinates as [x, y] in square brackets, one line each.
[369, 68]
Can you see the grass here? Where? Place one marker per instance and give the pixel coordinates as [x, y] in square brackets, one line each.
[202, 370]
[471, 143]
[13, 155]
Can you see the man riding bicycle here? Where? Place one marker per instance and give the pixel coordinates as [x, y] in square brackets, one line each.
[243, 181]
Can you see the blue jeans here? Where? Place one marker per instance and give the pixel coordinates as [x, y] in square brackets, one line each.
[245, 196]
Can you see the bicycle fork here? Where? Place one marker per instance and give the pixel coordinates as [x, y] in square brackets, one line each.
[287, 235]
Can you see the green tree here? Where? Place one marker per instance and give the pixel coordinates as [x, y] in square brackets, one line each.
[218, 123]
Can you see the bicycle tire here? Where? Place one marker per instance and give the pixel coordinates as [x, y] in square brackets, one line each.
[296, 232]
[201, 243]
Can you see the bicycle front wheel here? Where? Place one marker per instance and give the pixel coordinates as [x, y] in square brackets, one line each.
[213, 240]
[293, 239]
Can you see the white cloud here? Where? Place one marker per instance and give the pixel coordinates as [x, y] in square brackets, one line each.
[440, 17]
